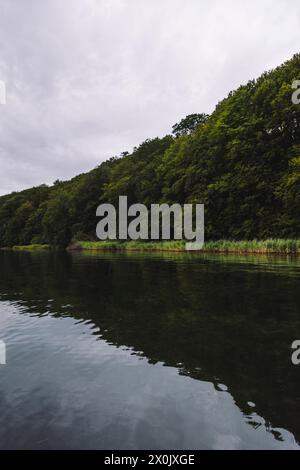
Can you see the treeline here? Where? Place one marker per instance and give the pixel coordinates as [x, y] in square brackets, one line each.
[242, 162]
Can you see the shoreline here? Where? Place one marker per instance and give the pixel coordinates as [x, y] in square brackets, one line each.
[222, 247]
[267, 247]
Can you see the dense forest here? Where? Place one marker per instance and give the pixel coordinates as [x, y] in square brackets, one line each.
[242, 162]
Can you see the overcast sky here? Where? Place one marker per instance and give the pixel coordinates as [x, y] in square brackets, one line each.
[88, 79]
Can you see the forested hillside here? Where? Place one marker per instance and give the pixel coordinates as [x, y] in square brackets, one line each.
[242, 162]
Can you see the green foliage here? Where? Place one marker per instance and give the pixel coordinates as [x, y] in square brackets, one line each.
[28, 248]
[221, 246]
[189, 124]
[242, 162]
[57, 220]
[178, 245]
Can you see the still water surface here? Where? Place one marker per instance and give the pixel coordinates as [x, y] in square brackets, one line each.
[115, 351]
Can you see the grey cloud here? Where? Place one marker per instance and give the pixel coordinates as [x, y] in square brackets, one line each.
[87, 79]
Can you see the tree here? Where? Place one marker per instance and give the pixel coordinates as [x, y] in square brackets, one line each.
[57, 221]
[242, 162]
[189, 124]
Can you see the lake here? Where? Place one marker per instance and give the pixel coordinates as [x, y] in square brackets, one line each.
[148, 351]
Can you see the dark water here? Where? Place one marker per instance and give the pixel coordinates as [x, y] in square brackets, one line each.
[173, 352]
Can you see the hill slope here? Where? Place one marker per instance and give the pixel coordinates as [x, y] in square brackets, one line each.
[243, 162]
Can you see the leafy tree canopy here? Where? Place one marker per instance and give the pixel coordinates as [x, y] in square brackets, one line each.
[242, 162]
[189, 124]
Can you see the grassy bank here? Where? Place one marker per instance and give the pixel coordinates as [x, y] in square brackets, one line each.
[130, 246]
[27, 248]
[272, 246]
